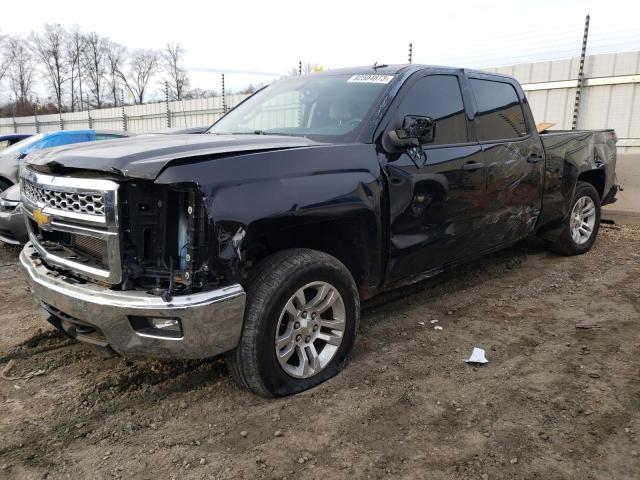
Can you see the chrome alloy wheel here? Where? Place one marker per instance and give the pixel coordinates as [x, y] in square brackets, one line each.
[583, 220]
[310, 329]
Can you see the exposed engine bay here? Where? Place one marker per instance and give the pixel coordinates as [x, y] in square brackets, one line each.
[163, 238]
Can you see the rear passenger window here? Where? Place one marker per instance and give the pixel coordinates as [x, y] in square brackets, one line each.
[438, 97]
[500, 114]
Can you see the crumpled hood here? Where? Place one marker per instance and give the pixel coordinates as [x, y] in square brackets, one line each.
[146, 156]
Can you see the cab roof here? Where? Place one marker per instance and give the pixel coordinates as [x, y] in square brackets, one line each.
[406, 68]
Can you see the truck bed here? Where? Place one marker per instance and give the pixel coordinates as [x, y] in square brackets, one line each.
[569, 153]
[583, 149]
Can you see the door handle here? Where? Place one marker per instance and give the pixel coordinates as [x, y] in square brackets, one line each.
[534, 158]
[472, 166]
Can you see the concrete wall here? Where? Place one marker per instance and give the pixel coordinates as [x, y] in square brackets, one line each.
[627, 208]
[610, 95]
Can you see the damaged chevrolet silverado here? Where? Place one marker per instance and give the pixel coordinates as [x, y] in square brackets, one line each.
[260, 237]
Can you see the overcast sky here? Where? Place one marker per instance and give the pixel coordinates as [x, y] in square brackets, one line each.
[271, 36]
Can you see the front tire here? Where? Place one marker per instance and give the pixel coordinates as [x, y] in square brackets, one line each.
[582, 226]
[300, 323]
[4, 185]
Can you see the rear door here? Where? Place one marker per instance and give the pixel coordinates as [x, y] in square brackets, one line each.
[435, 202]
[513, 158]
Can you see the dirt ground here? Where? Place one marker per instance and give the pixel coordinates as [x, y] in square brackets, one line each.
[554, 401]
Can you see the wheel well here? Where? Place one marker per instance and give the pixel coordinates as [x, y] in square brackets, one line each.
[343, 239]
[595, 178]
[6, 180]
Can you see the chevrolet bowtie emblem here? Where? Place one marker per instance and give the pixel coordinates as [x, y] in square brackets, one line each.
[40, 218]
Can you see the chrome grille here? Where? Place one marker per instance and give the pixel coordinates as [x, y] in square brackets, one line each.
[73, 223]
[84, 203]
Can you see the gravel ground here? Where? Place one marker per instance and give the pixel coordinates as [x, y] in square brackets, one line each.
[554, 401]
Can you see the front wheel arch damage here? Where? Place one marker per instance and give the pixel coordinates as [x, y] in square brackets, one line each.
[343, 239]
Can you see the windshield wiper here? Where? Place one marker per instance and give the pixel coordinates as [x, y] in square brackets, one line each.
[255, 132]
[262, 132]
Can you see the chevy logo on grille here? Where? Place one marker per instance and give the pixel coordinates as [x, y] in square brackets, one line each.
[40, 218]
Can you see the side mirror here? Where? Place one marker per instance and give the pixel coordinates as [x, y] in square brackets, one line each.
[416, 130]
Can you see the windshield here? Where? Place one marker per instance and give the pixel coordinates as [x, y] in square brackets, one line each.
[324, 108]
[22, 145]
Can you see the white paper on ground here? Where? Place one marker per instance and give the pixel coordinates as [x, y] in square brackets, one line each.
[477, 356]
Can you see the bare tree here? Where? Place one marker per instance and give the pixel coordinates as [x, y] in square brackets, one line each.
[21, 69]
[177, 78]
[115, 58]
[199, 93]
[251, 89]
[5, 56]
[95, 65]
[49, 49]
[143, 64]
[74, 49]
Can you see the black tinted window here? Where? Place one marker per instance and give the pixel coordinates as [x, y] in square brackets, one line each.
[438, 97]
[499, 111]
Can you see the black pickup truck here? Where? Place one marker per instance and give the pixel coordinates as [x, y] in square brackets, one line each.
[260, 237]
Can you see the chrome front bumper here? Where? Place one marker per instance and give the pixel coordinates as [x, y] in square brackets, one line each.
[211, 321]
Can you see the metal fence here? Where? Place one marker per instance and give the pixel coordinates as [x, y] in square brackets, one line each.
[610, 99]
[132, 118]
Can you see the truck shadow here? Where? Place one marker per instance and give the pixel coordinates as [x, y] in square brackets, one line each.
[461, 277]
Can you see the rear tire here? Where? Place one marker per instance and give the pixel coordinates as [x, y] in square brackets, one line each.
[289, 343]
[583, 223]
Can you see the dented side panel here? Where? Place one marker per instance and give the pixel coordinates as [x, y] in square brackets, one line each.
[254, 201]
[436, 210]
[568, 155]
[514, 190]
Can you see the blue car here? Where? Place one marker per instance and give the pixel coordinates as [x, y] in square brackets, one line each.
[12, 226]
[10, 157]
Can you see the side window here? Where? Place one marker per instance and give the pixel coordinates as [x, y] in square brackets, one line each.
[500, 114]
[438, 97]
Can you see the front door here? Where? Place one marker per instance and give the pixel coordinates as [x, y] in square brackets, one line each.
[436, 202]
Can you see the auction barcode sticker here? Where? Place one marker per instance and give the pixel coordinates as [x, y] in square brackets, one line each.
[370, 79]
